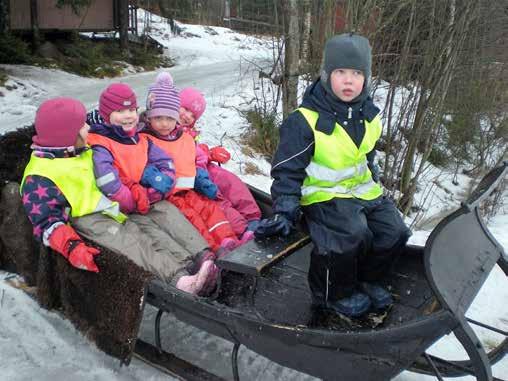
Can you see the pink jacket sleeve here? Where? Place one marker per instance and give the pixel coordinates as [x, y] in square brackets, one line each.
[124, 197]
[201, 157]
[235, 191]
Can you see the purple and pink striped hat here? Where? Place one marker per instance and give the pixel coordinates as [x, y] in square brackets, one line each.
[163, 98]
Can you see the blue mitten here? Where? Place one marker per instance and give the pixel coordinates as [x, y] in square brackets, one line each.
[204, 185]
[277, 224]
[253, 225]
[154, 178]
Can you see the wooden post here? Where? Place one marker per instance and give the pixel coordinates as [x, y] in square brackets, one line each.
[123, 18]
[4, 16]
[34, 21]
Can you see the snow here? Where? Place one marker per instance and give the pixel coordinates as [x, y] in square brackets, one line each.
[38, 343]
[200, 45]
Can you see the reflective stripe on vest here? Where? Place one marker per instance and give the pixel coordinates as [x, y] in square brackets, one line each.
[74, 177]
[326, 174]
[183, 153]
[129, 159]
[338, 167]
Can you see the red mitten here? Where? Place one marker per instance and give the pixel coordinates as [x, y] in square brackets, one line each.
[82, 256]
[67, 242]
[220, 155]
[140, 196]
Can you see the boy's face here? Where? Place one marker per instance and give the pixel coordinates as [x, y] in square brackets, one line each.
[82, 136]
[127, 118]
[347, 84]
[186, 117]
[163, 125]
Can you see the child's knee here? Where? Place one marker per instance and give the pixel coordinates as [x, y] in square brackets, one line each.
[393, 239]
[361, 234]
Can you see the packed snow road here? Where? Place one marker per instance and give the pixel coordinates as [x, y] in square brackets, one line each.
[36, 85]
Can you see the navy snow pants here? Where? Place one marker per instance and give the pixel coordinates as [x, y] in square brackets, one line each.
[354, 240]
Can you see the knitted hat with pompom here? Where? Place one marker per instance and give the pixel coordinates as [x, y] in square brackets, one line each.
[163, 98]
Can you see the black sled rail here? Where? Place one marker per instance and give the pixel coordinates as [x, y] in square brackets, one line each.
[462, 241]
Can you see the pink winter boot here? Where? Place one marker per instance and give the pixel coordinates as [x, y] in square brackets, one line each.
[211, 282]
[201, 257]
[246, 236]
[193, 284]
[229, 243]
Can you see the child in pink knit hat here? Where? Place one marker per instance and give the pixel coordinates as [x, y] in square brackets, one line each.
[133, 171]
[59, 182]
[236, 200]
[192, 106]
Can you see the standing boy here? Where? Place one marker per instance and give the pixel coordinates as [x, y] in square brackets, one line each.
[324, 168]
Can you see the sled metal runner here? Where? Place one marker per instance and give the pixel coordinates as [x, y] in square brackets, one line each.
[263, 302]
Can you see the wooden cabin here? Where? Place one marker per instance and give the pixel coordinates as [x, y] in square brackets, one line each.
[98, 16]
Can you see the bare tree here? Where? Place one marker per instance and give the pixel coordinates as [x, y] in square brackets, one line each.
[305, 39]
[291, 61]
[440, 68]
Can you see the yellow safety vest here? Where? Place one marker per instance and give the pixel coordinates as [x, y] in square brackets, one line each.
[339, 168]
[74, 177]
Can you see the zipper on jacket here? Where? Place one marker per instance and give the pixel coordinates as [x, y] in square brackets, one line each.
[349, 113]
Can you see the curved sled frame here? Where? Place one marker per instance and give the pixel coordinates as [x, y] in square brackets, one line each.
[462, 240]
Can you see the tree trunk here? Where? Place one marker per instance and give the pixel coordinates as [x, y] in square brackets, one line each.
[291, 61]
[123, 16]
[304, 52]
[34, 21]
[431, 109]
[329, 18]
[227, 9]
[4, 16]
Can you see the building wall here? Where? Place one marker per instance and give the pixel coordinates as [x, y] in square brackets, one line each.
[99, 16]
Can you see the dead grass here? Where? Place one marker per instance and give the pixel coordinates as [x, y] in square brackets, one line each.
[252, 169]
[262, 135]
[3, 77]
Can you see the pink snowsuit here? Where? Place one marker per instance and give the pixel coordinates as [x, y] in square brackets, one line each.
[235, 198]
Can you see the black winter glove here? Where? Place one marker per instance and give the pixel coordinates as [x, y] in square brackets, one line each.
[93, 117]
[277, 224]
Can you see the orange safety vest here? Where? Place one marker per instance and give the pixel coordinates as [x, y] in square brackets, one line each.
[129, 159]
[183, 153]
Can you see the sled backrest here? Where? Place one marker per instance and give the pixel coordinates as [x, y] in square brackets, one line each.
[461, 252]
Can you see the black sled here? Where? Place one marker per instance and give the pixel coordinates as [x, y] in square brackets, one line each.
[263, 302]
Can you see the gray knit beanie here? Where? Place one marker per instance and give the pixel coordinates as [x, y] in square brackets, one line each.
[347, 51]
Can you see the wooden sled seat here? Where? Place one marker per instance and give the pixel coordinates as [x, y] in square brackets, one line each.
[256, 256]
